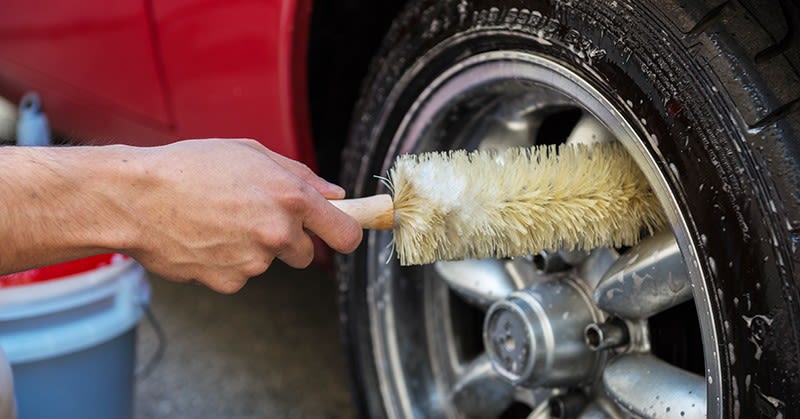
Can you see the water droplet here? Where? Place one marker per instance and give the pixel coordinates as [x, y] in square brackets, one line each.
[674, 169]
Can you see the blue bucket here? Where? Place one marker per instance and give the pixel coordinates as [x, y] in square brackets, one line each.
[71, 339]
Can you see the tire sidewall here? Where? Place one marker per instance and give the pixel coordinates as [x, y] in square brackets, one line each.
[637, 60]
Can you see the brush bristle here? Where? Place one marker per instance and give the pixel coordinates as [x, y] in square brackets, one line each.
[460, 205]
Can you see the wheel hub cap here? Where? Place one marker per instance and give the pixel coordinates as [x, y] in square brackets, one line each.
[534, 337]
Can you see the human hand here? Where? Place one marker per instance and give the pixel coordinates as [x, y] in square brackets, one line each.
[220, 211]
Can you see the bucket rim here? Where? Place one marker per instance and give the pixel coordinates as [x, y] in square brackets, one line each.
[59, 271]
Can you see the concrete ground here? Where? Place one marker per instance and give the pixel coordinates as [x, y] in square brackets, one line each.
[270, 351]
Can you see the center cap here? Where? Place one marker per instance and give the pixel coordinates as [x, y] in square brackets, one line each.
[535, 337]
[510, 339]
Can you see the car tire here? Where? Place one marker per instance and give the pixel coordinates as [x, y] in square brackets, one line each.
[705, 96]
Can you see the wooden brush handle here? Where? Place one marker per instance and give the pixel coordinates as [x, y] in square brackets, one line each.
[374, 212]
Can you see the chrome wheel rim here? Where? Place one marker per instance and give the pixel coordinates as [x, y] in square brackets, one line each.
[505, 97]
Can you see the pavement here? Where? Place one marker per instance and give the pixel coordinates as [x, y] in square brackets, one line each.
[270, 351]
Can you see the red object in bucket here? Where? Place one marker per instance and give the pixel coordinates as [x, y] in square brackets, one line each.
[59, 270]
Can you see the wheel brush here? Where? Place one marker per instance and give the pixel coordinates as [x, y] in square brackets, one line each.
[462, 205]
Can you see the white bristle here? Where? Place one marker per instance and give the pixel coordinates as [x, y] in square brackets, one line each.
[459, 205]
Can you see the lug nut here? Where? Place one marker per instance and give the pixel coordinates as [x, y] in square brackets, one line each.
[567, 405]
[611, 334]
[549, 262]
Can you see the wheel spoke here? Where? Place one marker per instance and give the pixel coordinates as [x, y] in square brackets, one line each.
[649, 387]
[596, 265]
[589, 130]
[480, 391]
[595, 411]
[479, 282]
[648, 279]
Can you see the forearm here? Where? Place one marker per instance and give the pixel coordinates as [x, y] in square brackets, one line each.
[213, 211]
[63, 202]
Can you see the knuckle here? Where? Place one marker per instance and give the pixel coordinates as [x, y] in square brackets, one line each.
[296, 200]
[250, 142]
[301, 259]
[230, 286]
[304, 169]
[223, 283]
[307, 174]
[306, 258]
[279, 238]
[255, 268]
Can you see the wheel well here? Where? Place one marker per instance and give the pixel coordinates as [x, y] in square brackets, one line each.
[344, 37]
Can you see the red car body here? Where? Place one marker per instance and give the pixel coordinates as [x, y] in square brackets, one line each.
[149, 72]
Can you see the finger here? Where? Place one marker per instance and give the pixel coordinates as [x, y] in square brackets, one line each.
[224, 282]
[299, 252]
[339, 230]
[218, 279]
[257, 265]
[325, 188]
